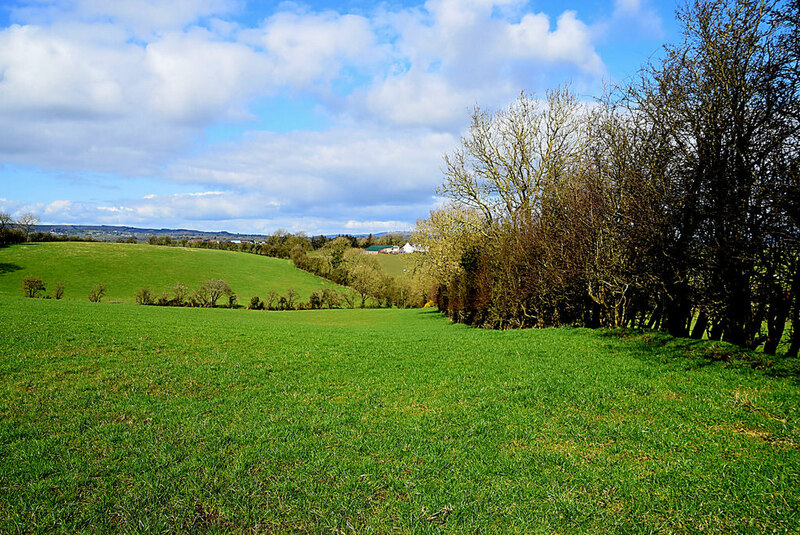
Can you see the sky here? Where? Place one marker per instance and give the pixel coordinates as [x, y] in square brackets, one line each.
[321, 116]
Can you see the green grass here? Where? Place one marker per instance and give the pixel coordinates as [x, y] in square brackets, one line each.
[397, 265]
[124, 268]
[146, 419]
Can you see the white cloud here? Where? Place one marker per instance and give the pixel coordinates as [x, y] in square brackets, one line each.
[306, 48]
[315, 170]
[130, 88]
[455, 54]
[376, 226]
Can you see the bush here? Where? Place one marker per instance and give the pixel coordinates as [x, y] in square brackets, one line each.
[330, 297]
[97, 292]
[58, 291]
[32, 286]
[316, 299]
[255, 303]
[211, 290]
[144, 296]
[180, 292]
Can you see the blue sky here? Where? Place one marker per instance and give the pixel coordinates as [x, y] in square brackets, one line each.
[318, 116]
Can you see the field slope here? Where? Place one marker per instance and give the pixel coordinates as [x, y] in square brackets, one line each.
[134, 419]
[124, 268]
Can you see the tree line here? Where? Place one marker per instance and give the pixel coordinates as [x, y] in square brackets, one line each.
[338, 259]
[277, 245]
[670, 203]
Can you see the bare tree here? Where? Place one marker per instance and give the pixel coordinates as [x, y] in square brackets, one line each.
[211, 290]
[508, 159]
[6, 221]
[26, 222]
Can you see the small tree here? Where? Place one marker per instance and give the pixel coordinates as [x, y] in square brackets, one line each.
[144, 296]
[180, 292]
[255, 303]
[97, 292]
[269, 302]
[291, 299]
[6, 221]
[26, 222]
[58, 291]
[212, 289]
[316, 299]
[32, 286]
[330, 297]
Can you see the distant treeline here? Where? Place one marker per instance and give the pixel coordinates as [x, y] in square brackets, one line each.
[673, 203]
[277, 245]
[334, 259]
[20, 230]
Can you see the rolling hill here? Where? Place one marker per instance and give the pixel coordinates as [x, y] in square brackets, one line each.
[124, 268]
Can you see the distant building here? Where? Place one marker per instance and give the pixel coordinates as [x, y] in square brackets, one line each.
[375, 249]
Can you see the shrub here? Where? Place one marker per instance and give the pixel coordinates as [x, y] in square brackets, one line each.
[180, 292]
[211, 290]
[58, 291]
[144, 296]
[330, 297]
[32, 286]
[97, 292]
[316, 299]
[255, 303]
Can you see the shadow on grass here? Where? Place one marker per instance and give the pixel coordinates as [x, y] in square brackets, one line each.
[8, 267]
[693, 354]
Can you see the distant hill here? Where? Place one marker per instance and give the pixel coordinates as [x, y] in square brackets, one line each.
[112, 233]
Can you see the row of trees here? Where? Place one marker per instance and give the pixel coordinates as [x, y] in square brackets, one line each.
[35, 287]
[17, 230]
[207, 295]
[337, 261]
[279, 244]
[672, 203]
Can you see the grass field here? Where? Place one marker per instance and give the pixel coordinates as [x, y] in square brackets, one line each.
[124, 268]
[147, 419]
[397, 265]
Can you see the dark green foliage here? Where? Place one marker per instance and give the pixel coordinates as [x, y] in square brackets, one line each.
[32, 286]
[255, 303]
[144, 296]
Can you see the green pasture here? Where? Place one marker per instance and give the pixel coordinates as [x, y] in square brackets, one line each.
[124, 268]
[397, 265]
[124, 418]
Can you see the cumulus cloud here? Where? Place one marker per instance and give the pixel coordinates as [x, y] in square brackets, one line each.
[320, 170]
[129, 88]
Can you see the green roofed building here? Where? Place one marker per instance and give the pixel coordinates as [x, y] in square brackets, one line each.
[375, 249]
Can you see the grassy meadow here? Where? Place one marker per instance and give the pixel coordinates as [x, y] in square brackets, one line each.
[397, 265]
[125, 267]
[127, 418]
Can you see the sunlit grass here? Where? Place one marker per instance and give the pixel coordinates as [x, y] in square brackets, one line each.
[124, 268]
[127, 418]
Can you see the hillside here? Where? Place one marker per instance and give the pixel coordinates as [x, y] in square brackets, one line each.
[123, 418]
[124, 268]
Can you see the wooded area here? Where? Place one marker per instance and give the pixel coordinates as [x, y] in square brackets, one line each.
[671, 203]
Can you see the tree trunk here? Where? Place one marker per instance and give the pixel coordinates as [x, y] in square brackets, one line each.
[700, 325]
